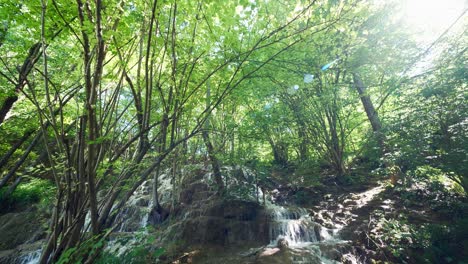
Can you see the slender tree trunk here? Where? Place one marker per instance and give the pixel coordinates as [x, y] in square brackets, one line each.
[370, 111]
[6, 106]
[18, 164]
[303, 147]
[161, 147]
[31, 59]
[214, 161]
[12, 150]
[211, 151]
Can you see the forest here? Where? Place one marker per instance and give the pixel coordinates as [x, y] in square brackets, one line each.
[233, 131]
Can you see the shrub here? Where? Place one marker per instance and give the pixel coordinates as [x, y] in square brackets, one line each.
[35, 190]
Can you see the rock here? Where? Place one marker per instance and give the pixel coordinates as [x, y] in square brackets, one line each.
[334, 251]
[269, 252]
[8, 256]
[273, 256]
[194, 192]
[204, 230]
[19, 228]
[225, 223]
[25, 253]
[319, 220]
[340, 213]
[282, 243]
[142, 202]
[241, 210]
[328, 214]
[147, 183]
[317, 232]
[349, 202]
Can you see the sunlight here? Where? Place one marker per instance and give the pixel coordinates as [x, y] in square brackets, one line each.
[365, 197]
[431, 17]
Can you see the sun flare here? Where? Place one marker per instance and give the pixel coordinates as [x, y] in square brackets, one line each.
[431, 17]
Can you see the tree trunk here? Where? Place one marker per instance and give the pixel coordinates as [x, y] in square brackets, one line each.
[18, 164]
[6, 106]
[28, 64]
[12, 150]
[370, 111]
[209, 147]
[214, 162]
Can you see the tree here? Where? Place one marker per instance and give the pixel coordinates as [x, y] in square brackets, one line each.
[134, 94]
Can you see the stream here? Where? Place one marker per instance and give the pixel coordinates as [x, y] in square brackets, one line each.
[306, 241]
[32, 257]
[293, 235]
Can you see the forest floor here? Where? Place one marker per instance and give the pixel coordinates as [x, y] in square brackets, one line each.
[416, 222]
[395, 224]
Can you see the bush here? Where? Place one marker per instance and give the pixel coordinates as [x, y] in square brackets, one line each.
[435, 178]
[426, 243]
[139, 250]
[35, 191]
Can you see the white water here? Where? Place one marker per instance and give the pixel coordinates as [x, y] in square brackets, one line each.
[32, 257]
[306, 240]
[133, 221]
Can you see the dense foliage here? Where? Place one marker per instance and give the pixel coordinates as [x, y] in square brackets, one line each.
[98, 96]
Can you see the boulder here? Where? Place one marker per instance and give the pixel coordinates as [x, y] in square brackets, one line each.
[225, 223]
[142, 202]
[19, 228]
[194, 192]
[274, 256]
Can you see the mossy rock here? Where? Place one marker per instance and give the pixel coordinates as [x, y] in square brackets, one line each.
[19, 228]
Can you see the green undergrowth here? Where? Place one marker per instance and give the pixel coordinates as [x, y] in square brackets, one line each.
[409, 242]
[430, 224]
[138, 248]
[34, 191]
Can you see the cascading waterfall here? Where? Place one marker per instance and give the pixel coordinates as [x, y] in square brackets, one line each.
[134, 216]
[32, 257]
[292, 226]
[307, 241]
[133, 219]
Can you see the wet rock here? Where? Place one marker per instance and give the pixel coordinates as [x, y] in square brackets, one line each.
[194, 192]
[25, 253]
[225, 223]
[241, 210]
[328, 214]
[282, 243]
[273, 256]
[317, 230]
[19, 228]
[158, 215]
[142, 202]
[329, 225]
[131, 218]
[8, 256]
[147, 183]
[340, 213]
[349, 202]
